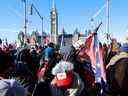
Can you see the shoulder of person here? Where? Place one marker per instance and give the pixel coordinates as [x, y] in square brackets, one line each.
[12, 86]
[18, 88]
[118, 57]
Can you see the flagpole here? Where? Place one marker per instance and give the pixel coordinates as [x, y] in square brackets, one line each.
[38, 13]
[62, 38]
[25, 17]
[107, 20]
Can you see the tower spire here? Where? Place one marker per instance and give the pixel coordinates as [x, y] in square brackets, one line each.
[53, 4]
[54, 23]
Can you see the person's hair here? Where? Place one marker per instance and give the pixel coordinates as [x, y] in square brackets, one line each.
[4, 61]
[51, 44]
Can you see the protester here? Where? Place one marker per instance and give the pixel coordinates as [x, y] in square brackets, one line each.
[67, 70]
[66, 81]
[8, 87]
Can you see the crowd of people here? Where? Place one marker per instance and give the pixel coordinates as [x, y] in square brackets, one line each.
[63, 71]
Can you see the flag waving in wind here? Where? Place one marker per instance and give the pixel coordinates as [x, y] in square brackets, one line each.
[95, 52]
[62, 41]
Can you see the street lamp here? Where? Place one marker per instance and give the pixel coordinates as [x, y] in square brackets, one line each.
[31, 12]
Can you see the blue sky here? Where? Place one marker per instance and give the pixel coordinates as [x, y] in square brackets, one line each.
[72, 14]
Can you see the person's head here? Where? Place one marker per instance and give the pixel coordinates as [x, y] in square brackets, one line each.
[119, 78]
[62, 66]
[10, 46]
[51, 45]
[104, 45]
[67, 52]
[48, 53]
[4, 62]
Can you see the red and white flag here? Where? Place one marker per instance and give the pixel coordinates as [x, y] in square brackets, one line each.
[95, 51]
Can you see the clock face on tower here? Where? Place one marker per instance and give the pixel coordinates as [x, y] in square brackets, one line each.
[54, 13]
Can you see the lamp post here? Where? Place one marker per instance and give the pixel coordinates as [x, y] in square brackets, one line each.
[25, 16]
[31, 9]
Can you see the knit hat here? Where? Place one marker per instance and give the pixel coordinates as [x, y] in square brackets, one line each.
[66, 51]
[61, 67]
[48, 52]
